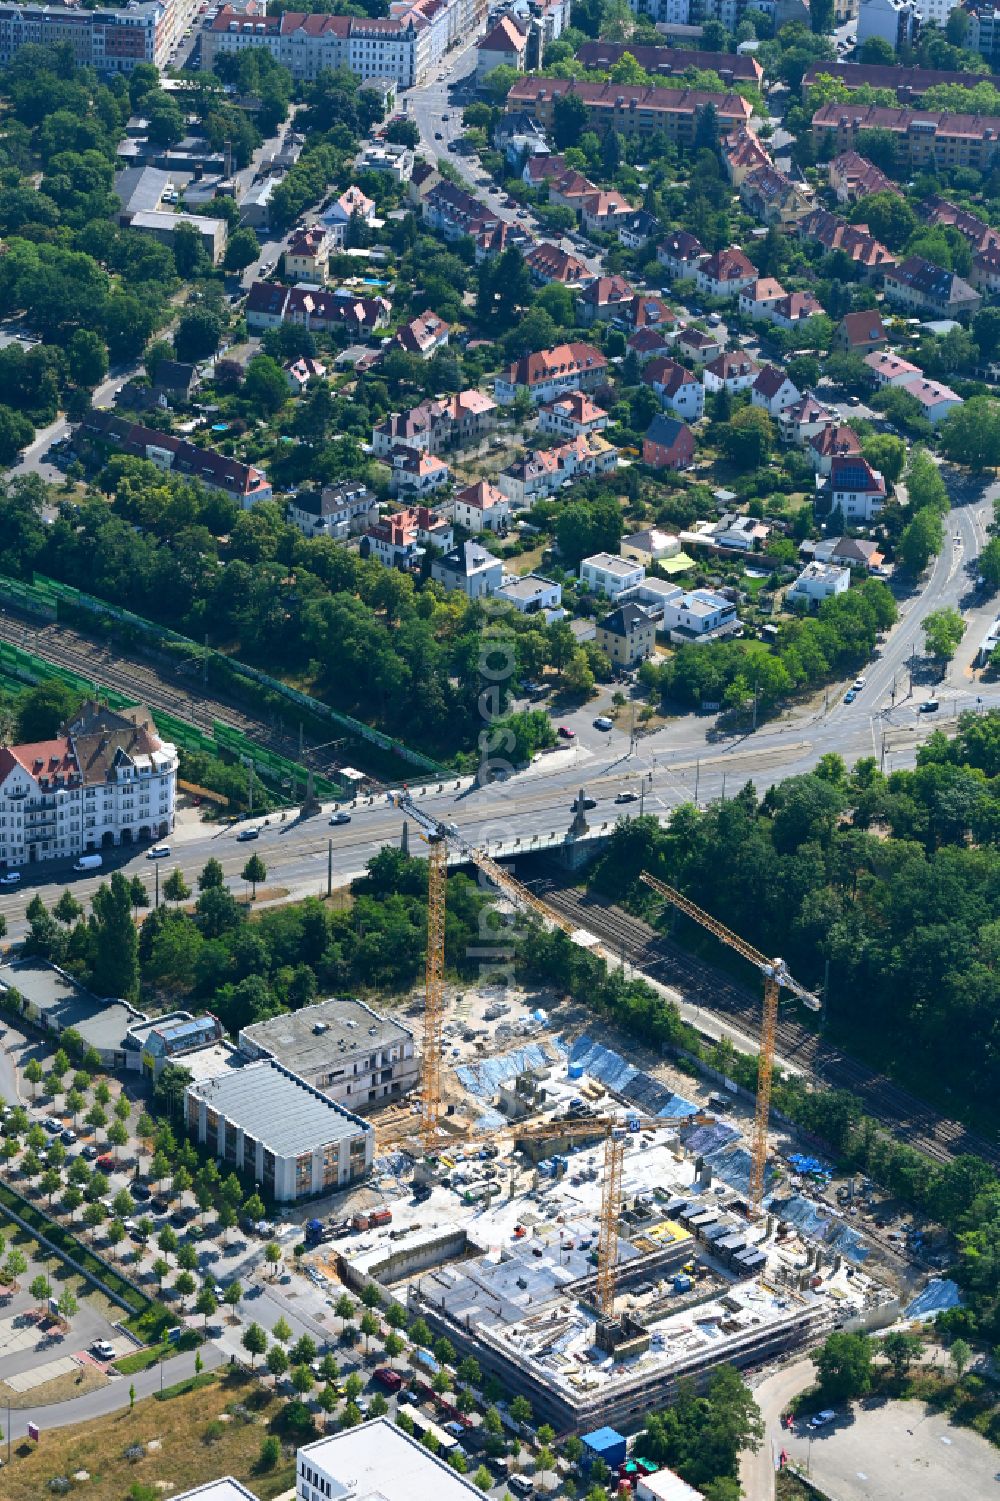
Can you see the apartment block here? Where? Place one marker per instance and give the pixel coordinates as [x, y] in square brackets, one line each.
[630, 109]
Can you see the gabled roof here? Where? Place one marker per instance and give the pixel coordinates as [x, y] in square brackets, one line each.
[770, 381]
[624, 620]
[667, 374]
[682, 246]
[836, 439]
[666, 430]
[728, 265]
[865, 327]
[505, 37]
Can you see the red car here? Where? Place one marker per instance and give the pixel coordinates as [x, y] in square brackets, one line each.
[565, 733]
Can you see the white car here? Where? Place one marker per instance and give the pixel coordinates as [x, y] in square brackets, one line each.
[859, 683]
[602, 722]
[103, 1350]
[158, 852]
[821, 1419]
[10, 878]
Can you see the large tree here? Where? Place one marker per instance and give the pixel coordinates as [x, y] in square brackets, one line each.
[116, 945]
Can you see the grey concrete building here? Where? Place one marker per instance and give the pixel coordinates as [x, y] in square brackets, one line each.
[343, 1048]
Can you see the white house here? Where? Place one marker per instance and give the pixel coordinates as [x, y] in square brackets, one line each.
[676, 387]
[108, 780]
[757, 300]
[726, 273]
[937, 400]
[855, 488]
[889, 369]
[650, 546]
[819, 581]
[534, 595]
[482, 508]
[730, 372]
[605, 574]
[698, 615]
[773, 391]
[470, 568]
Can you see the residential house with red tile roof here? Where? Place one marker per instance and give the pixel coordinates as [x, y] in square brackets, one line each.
[548, 263]
[773, 391]
[836, 441]
[423, 336]
[504, 45]
[630, 109]
[572, 416]
[860, 333]
[676, 387]
[726, 273]
[853, 177]
[730, 372]
[743, 152]
[245, 483]
[553, 372]
[604, 298]
[482, 507]
[680, 254]
[855, 489]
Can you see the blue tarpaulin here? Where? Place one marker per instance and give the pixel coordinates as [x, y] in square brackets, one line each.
[819, 1224]
[939, 1294]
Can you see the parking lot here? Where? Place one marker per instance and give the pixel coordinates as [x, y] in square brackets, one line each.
[894, 1450]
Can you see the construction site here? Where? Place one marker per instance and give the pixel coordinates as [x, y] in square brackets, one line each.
[588, 1233]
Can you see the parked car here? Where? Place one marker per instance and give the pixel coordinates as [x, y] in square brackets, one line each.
[602, 722]
[859, 683]
[158, 852]
[929, 706]
[565, 733]
[89, 1152]
[850, 696]
[582, 802]
[67, 1137]
[246, 834]
[820, 1419]
[341, 817]
[103, 1350]
[10, 878]
[627, 797]
[140, 1190]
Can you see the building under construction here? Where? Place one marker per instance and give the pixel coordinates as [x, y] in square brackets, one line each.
[502, 1260]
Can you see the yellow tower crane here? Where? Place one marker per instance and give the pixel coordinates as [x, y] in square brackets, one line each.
[776, 977]
[616, 1131]
[439, 837]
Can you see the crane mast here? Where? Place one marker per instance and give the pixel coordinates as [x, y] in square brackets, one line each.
[776, 976]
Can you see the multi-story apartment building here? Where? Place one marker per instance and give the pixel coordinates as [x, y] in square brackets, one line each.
[551, 373]
[911, 84]
[108, 780]
[452, 421]
[101, 430]
[631, 109]
[404, 46]
[110, 40]
[894, 21]
[924, 138]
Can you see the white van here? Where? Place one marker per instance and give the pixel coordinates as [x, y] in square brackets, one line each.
[88, 862]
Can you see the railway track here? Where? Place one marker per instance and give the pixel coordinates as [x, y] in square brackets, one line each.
[909, 1118]
[65, 647]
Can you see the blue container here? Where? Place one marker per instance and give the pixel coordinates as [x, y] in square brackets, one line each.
[607, 1444]
[575, 1071]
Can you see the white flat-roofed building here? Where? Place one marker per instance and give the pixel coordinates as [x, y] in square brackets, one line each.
[605, 574]
[266, 1122]
[225, 1489]
[699, 616]
[376, 1462]
[666, 1486]
[534, 595]
[819, 581]
[343, 1048]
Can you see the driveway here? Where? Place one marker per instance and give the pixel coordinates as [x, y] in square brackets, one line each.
[898, 1450]
[772, 1397]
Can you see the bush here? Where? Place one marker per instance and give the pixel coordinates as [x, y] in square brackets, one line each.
[270, 1453]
